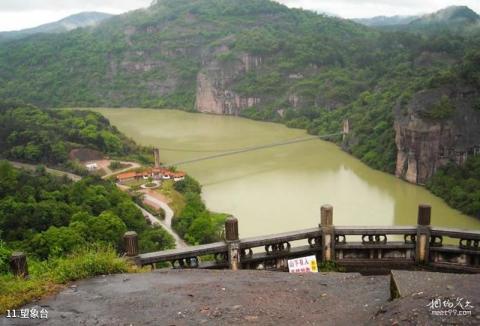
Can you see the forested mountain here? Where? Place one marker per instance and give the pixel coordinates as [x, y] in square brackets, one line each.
[50, 216]
[453, 17]
[83, 19]
[34, 135]
[411, 95]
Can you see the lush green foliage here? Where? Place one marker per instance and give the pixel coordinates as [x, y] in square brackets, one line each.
[459, 186]
[317, 70]
[5, 254]
[442, 110]
[44, 276]
[195, 223]
[34, 135]
[115, 165]
[86, 262]
[188, 185]
[154, 238]
[49, 216]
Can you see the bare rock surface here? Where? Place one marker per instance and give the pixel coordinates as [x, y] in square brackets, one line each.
[427, 298]
[196, 297]
[193, 297]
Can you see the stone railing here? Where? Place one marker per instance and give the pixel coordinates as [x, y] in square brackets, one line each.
[356, 248]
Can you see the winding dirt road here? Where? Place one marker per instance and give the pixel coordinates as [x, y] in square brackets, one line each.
[167, 223]
[33, 167]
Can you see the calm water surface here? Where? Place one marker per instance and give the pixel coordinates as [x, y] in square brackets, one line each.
[279, 189]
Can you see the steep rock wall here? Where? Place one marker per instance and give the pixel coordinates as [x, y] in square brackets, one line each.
[426, 144]
[214, 84]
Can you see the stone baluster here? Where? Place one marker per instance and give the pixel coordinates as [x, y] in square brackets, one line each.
[233, 242]
[130, 241]
[423, 234]
[18, 264]
[328, 233]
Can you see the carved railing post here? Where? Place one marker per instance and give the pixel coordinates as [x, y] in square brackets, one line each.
[231, 236]
[18, 264]
[328, 233]
[423, 234]
[130, 240]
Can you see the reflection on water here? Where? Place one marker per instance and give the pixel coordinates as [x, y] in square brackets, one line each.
[279, 189]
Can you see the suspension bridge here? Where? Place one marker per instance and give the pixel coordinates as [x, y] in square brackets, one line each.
[247, 149]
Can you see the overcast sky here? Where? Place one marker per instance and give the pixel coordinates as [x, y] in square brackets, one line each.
[19, 14]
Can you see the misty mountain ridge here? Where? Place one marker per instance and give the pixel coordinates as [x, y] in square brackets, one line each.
[449, 15]
[385, 20]
[453, 16]
[83, 19]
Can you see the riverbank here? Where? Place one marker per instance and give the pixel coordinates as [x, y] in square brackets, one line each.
[252, 186]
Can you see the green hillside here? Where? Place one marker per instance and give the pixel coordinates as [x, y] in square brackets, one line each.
[267, 61]
[83, 19]
[151, 57]
[34, 135]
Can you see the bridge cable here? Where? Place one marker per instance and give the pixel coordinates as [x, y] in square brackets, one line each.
[253, 148]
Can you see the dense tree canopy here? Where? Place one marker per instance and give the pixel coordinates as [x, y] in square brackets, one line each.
[459, 186]
[35, 135]
[315, 71]
[195, 223]
[50, 216]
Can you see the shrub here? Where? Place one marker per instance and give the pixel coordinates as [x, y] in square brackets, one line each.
[444, 109]
[155, 239]
[56, 242]
[87, 262]
[188, 185]
[5, 254]
[115, 165]
[45, 277]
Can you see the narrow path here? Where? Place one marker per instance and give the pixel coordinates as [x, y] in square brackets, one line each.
[167, 223]
[33, 167]
[168, 211]
[133, 165]
[179, 243]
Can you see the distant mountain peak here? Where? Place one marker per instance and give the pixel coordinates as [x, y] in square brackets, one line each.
[456, 17]
[385, 20]
[83, 19]
[452, 14]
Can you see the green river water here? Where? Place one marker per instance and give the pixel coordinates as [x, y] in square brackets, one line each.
[279, 189]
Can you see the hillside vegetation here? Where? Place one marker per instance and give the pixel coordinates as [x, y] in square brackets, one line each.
[286, 65]
[48, 216]
[459, 186]
[151, 58]
[34, 135]
[68, 230]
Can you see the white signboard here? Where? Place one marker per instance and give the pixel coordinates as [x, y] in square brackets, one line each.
[303, 265]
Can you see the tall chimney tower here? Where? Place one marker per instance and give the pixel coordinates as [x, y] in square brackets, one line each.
[156, 153]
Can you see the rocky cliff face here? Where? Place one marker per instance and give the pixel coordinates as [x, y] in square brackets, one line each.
[425, 144]
[215, 80]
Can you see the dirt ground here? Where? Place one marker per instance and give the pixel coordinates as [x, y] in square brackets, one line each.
[158, 196]
[195, 297]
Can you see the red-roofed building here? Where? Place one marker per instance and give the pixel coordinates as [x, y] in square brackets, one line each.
[127, 176]
[155, 173]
